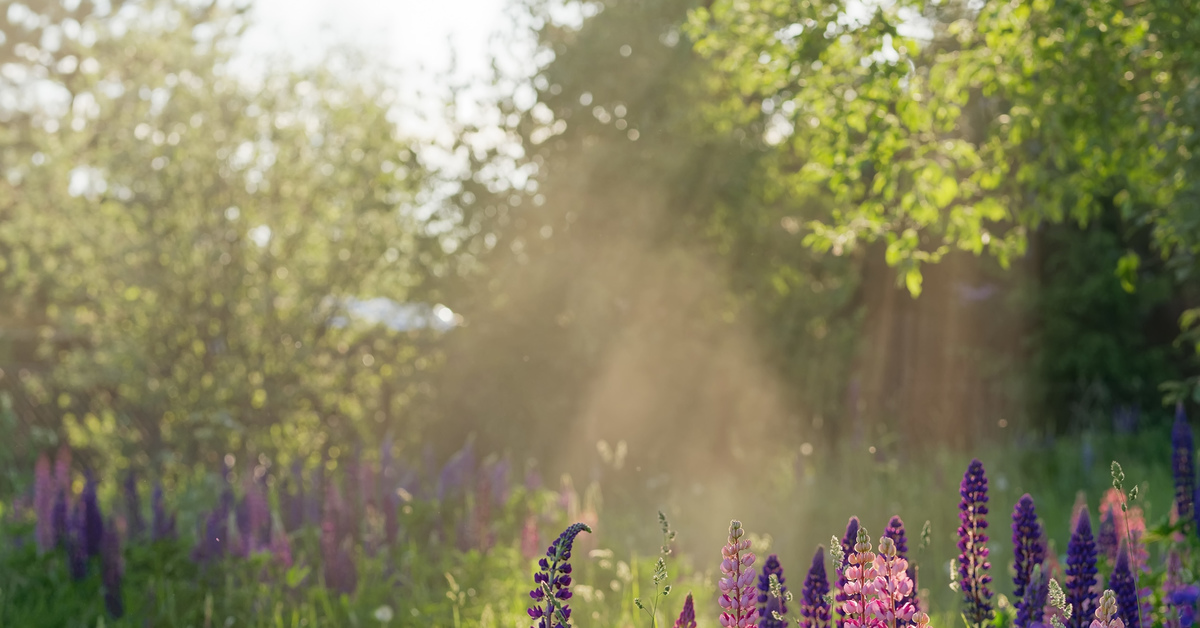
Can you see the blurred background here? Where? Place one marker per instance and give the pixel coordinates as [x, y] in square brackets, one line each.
[795, 260]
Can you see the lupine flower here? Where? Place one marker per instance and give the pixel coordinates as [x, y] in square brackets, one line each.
[895, 532]
[1127, 522]
[860, 575]
[59, 518]
[533, 479]
[62, 468]
[1081, 573]
[687, 617]
[1078, 508]
[973, 562]
[133, 507]
[458, 472]
[340, 573]
[814, 608]
[1122, 583]
[552, 582]
[1182, 453]
[1182, 600]
[280, 548]
[767, 603]
[93, 522]
[112, 569]
[1172, 581]
[737, 594]
[1033, 603]
[163, 524]
[891, 588]
[847, 544]
[43, 504]
[214, 537]
[76, 545]
[1107, 612]
[498, 480]
[1029, 550]
[530, 545]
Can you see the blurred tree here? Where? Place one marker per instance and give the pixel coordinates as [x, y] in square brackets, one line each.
[953, 126]
[184, 248]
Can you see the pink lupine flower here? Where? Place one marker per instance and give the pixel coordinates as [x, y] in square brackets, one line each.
[1134, 519]
[892, 587]
[860, 575]
[738, 595]
[1106, 612]
[43, 504]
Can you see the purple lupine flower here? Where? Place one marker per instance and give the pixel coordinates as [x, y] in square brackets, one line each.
[533, 479]
[1172, 581]
[973, 562]
[133, 507]
[1033, 603]
[1081, 573]
[814, 608]
[1029, 550]
[737, 594]
[1183, 450]
[59, 518]
[281, 548]
[895, 532]
[498, 480]
[340, 572]
[1124, 586]
[214, 537]
[43, 504]
[163, 524]
[76, 545]
[1106, 536]
[848, 542]
[552, 582]
[93, 522]
[458, 472]
[62, 468]
[111, 569]
[687, 617]
[767, 603]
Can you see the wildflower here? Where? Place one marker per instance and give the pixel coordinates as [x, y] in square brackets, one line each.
[214, 537]
[1106, 536]
[76, 546]
[1107, 612]
[1123, 585]
[846, 546]
[892, 587]
[973, 562]
[1128, 523]
[1029, 550]
[553, 580]
[43, 504]
[62, 468]
[1031, 607]
[1182, 453]
[340, 573]
[769, 604]
[1081, 573]
[133, 506]
[687, 617]
[59, 518]
[93, 523]
[458, 472]
[860, 574]
[737, 596]
[280, 548]
[895, 532]
[111, 569]
[814, 608]
[162, 525]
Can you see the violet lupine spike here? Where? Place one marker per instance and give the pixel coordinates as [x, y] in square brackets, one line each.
[60, 519]
[1124, 586]
[767, 603]
[1081, 573]
[76, 545]
[1106, 536]
[1183, 450]
[214, 536]
[1033, 603]
[687, 617]
[43, 504]
[550, 608]
[93, 522]
[162, 524]
[736, 584]
[133, 507]
[973, 562]
[62, 468]
[848, 542]
[895, 532]
[814, 608]
[1029, 551]
[340, 573]
[111, 569]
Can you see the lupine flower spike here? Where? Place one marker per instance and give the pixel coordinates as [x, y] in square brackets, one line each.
[860, 574]
[1032, 606]
[550, 608]
[892, 587]
[737, 593]
[973, 562]
[1182, 454]
[93, 523]
[76, 546]
[1124, 587]
[846, 546]
[112, 569]
[1107, 613]
[895, 532]
[814, 608]
[163, 524]
[771, 602]
[1081, 573]
[1180, 599]
[687, 617]
[1029, 550]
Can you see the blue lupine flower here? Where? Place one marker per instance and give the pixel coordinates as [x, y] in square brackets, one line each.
[93, 522]
[768, 604]
[1029, 551]
[973, 562]
[1182, 465]
[814, 608]
[1081, 573]
[553, 581]
[848, 542]
[1124, 586]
